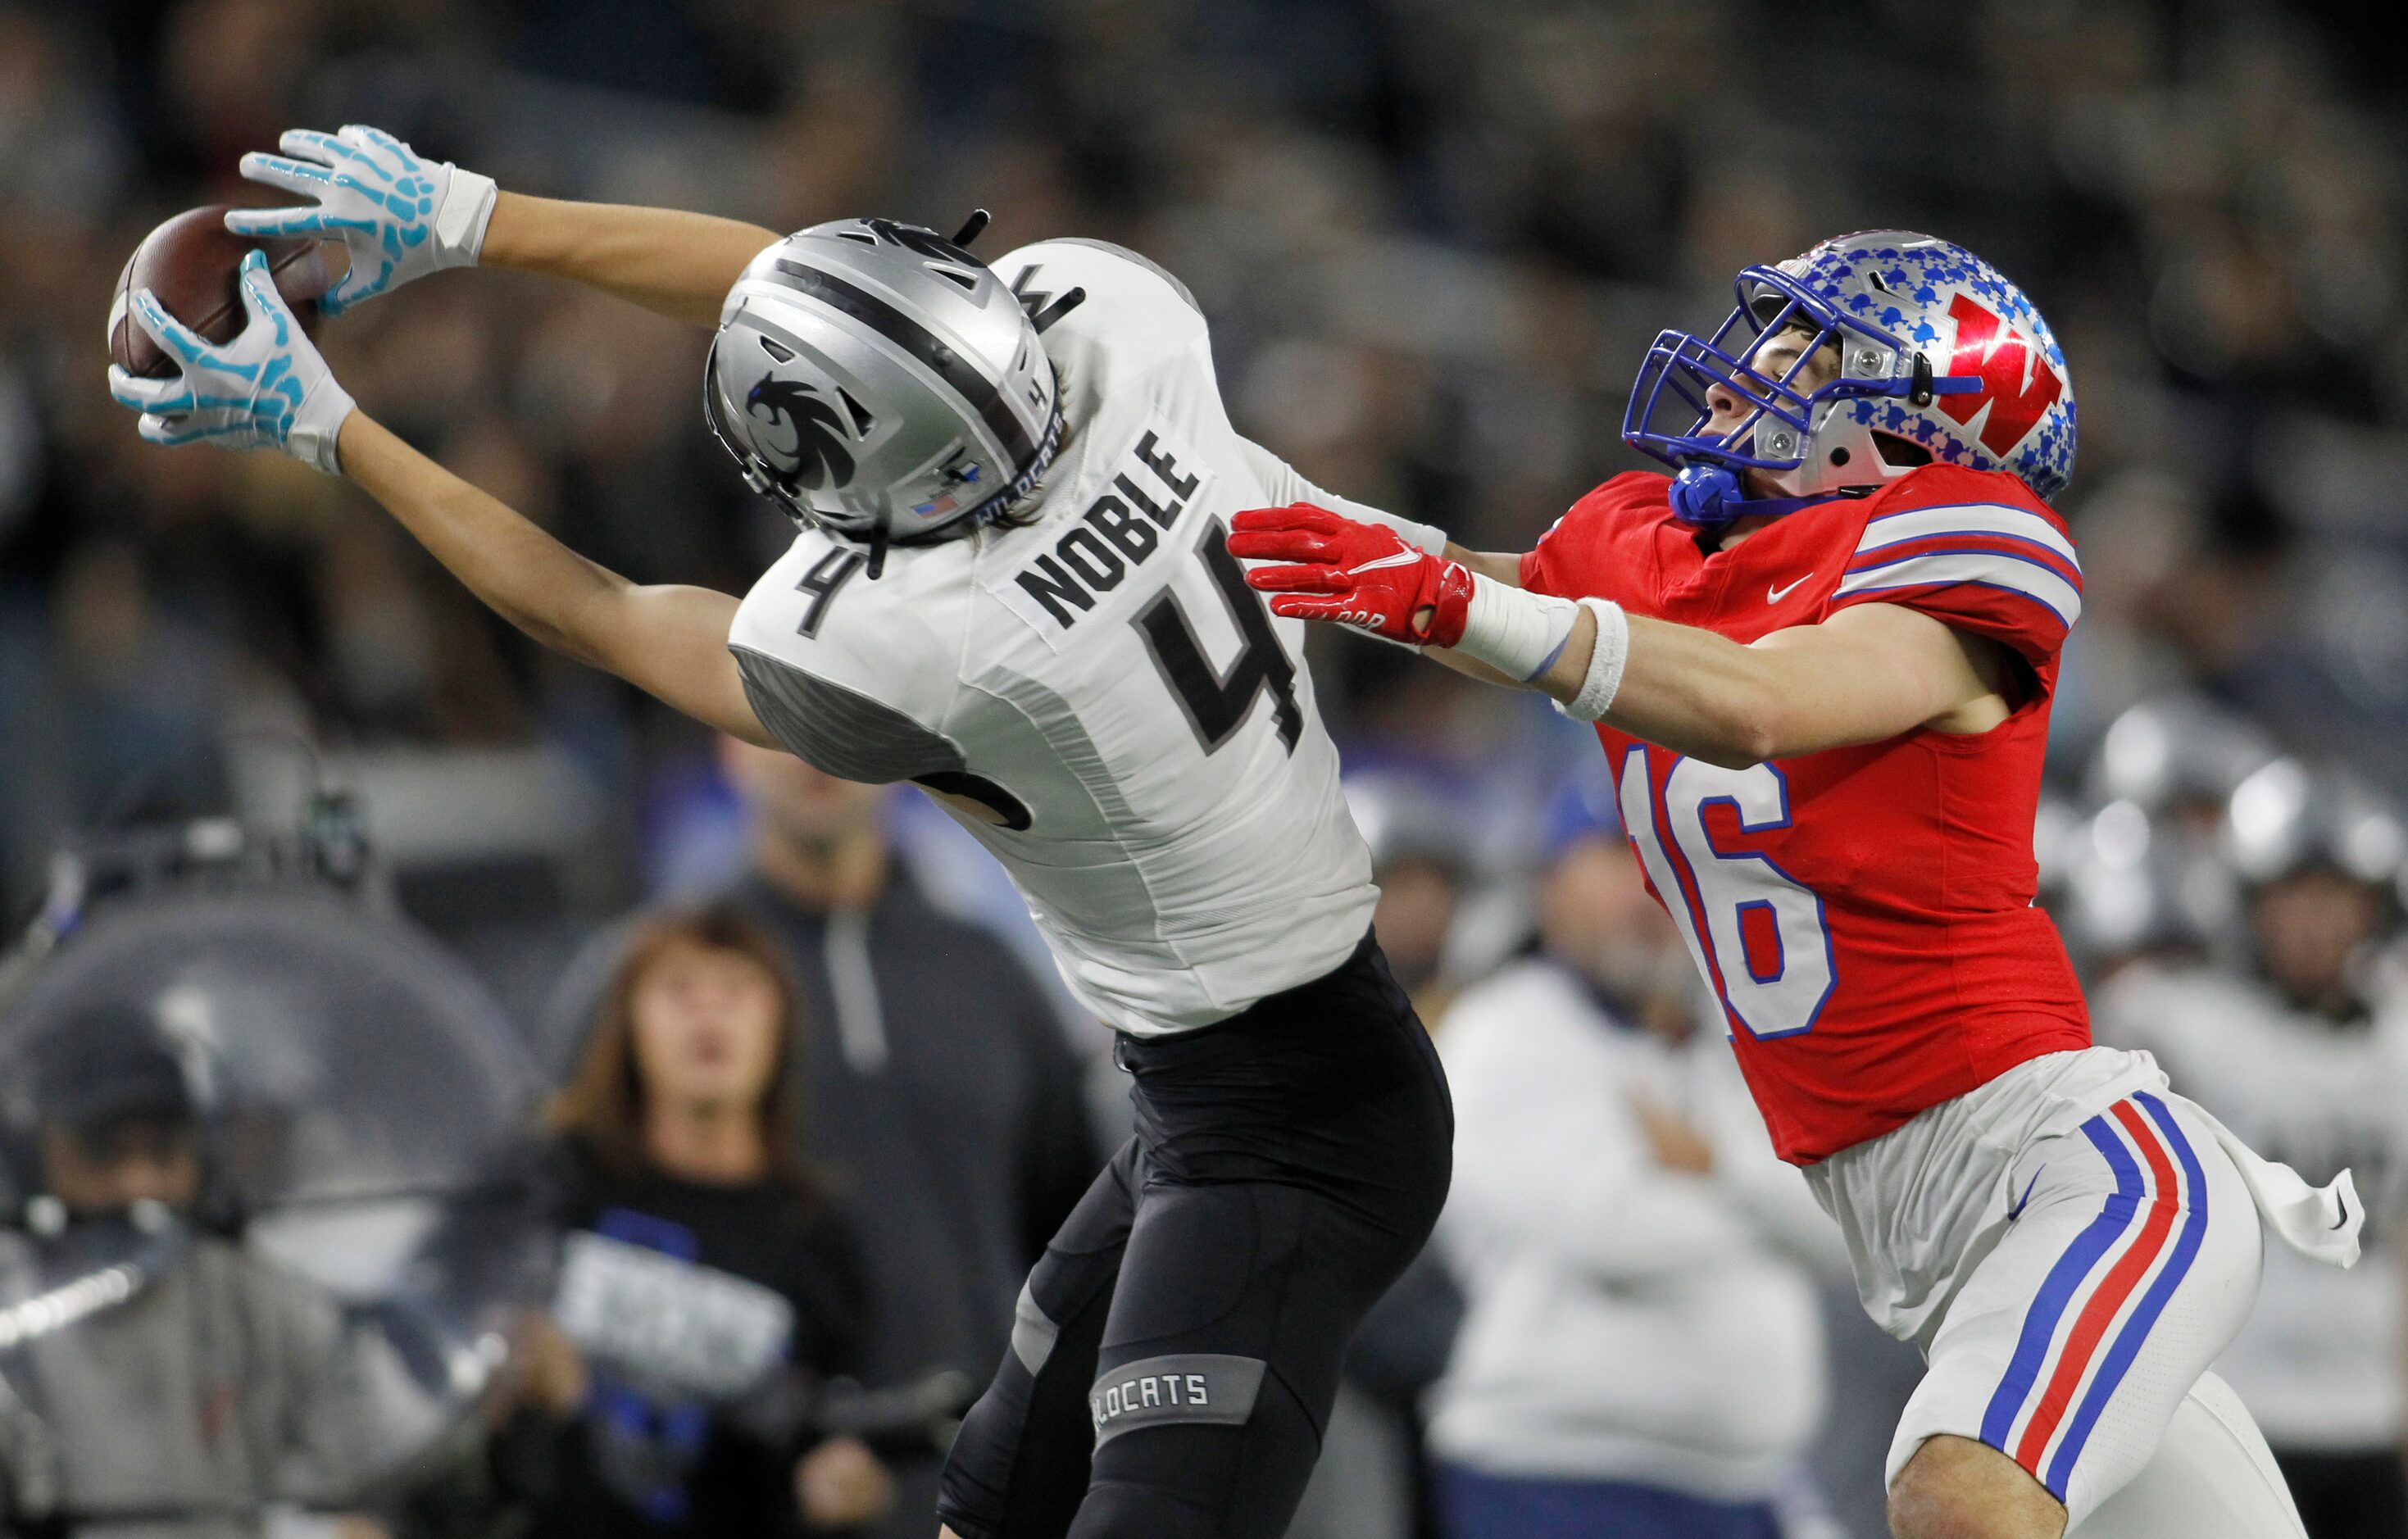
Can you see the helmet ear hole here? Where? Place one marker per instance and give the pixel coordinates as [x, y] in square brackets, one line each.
[1896, 452]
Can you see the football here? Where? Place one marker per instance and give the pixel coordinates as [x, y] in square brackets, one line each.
[191, 263]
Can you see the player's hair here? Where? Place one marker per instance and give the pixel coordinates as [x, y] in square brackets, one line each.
[602, 1105]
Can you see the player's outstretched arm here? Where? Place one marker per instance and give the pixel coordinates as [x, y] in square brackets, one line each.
[668, 640]
[670, 261]
[402, 216]
[1866, 675]
[269, 389]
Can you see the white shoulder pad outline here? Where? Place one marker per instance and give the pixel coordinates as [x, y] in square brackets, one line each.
[1133, 305]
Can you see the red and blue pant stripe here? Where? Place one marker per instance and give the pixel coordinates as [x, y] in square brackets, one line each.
[2152, 1226]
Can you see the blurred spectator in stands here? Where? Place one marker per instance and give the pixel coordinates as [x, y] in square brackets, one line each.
[711, 1283]
[1639, 1356]
[207, 1387]
[2301, 1045]
[113, 701]
[941, 1089]
[1420, 857]
[944, 1084]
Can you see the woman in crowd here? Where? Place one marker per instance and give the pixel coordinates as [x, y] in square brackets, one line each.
[709, 1283]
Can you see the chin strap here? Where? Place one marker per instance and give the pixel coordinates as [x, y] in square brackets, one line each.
[881, 535]
[1713, 496]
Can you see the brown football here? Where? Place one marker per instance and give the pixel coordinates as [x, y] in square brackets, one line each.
[191, 263]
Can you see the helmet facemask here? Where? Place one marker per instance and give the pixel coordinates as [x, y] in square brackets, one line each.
[1940, 359]
[1807, 441]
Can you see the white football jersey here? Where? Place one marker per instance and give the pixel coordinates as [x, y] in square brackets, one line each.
[2319, 1363]
[1103, 701]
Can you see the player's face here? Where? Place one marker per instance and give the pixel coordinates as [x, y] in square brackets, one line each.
[2309, 926]
[1417, 910]
[705, 1028]
[1594, 912]
[1781, 357]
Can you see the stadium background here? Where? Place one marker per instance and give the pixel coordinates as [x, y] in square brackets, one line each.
[1432, 240]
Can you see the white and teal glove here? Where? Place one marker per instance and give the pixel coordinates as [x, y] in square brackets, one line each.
[401, 216]
[266, 389]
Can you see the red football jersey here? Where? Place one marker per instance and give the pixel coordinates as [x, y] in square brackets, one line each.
[1864, 914]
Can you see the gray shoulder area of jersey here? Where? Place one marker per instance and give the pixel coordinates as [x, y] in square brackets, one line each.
[837, 731]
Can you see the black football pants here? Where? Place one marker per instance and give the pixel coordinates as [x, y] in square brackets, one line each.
[1176, 1351]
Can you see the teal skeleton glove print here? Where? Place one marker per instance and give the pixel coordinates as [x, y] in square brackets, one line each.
[400, 215]
[266, 389]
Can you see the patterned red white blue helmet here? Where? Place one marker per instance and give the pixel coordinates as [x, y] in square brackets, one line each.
[1940, 358]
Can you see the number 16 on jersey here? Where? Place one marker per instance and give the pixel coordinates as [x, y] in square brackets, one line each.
[1759, 937]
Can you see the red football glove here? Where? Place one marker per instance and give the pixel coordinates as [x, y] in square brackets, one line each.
[1362, 575]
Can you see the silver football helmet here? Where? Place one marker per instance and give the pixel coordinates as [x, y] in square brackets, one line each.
[2177, 753]
[2290, 816]
[878, 381]
[2135, 885]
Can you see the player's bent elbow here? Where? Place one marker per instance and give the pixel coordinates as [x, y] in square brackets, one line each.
[1733, 745]
[1730, 756]
[1750, 730]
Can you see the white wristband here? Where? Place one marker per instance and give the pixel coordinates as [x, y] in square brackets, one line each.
[1514, 631]
[460, 223]
[1606, 661]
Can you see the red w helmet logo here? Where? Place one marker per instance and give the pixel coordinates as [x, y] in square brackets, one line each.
[2017, 384]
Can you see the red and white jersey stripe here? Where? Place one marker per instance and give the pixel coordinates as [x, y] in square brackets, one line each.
[1991, 561]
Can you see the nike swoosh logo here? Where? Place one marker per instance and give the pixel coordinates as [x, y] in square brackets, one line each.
[1774, 596]
[1402, 558]
[2018, 1211]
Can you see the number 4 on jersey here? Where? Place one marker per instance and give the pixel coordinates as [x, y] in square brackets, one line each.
[1216, 703]
[1758, 938]
[828, 574]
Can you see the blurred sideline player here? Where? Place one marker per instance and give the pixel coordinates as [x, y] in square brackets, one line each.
[1010, 587]
[2305, 1054]
[1820, 658]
